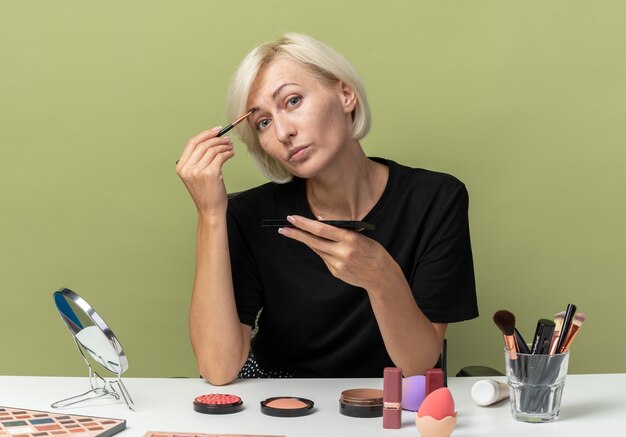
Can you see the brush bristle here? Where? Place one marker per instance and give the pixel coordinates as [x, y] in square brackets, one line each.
[505, 320]
[558, 320]
[579, 319]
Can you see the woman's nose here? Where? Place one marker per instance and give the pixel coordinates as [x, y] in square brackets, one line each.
[285, 129]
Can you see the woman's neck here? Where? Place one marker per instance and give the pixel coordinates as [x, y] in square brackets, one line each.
[349, 190]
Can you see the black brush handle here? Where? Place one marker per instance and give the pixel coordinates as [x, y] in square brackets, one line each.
[543, 336]
[567, 322]
[521, 343]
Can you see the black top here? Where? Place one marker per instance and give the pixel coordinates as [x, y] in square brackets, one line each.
[315, 325]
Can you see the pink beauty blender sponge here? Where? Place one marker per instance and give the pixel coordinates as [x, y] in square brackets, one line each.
[436, 416]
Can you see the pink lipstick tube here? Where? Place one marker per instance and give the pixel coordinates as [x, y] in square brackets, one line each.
[392, 398]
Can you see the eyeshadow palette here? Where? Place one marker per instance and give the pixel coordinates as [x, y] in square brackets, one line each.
[195, 434]
[18, 422]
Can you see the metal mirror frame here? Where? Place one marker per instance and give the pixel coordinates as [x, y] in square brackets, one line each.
[100, 387]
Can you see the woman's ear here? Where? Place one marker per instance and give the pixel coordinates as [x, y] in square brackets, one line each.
[348, 97]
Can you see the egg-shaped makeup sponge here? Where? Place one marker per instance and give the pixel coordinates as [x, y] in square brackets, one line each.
[438, 404]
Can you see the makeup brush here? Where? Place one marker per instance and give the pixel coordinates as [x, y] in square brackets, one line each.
[567, 323]
[234, 123]
[558, 324]
[522, 346]
[505, 321]
[578, 321]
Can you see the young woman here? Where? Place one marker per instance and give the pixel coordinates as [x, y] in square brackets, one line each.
[333, 302]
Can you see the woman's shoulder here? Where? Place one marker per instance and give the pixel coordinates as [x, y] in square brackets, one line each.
[430, 190]
[422, 178]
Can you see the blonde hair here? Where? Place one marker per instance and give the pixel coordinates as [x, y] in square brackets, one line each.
[316, 57]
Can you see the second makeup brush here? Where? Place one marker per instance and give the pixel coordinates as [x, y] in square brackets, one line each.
[558, 324]
[578, 321]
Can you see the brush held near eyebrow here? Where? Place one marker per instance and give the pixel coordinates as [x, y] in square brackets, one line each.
[233, 124]
[236, 122]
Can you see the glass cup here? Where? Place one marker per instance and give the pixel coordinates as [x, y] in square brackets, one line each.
[536, 385]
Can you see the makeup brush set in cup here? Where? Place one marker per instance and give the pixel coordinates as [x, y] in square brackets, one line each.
[536, 372]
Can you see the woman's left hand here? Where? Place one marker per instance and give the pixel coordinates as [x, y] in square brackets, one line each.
[350, 256]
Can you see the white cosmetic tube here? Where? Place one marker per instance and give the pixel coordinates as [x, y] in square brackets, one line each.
[488, 391]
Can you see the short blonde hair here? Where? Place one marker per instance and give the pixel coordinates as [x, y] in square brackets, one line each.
[316, 57]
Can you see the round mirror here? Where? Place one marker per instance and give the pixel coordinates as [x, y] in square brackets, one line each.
[90, 331]
[98, 346]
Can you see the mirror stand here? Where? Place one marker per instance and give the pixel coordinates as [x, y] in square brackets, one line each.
[98, 347]
[100, 388]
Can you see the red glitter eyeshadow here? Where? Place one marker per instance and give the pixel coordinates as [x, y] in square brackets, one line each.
[217, 403]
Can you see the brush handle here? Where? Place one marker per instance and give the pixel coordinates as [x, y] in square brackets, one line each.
[567, 322]
[571, 334]
[522, 347]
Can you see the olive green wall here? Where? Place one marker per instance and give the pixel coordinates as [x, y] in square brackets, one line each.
[523, 101]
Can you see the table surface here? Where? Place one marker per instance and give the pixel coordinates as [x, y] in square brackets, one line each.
[591, 405]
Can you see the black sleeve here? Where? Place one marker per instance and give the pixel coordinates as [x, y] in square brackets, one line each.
[246, 283]
[444, 285]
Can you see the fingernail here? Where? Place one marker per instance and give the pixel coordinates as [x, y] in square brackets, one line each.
[291, 219]
[226, 138]
[281, 230]
[216, 128]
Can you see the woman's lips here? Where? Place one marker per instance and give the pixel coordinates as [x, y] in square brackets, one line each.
[298, 153]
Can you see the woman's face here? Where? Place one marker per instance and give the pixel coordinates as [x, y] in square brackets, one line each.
[300, 122]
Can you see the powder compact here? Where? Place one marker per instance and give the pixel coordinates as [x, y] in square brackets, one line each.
[285, 406]
[216, 403]
[361, 402]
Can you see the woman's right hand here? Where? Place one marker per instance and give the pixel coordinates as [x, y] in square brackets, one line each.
[200, 168]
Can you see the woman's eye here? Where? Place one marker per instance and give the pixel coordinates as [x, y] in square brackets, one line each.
[262, 124]
[294, 101]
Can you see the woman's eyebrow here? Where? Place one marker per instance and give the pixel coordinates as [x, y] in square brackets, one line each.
[278, 90]
[259, 110]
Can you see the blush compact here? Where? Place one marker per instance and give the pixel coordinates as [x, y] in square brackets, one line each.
[286, 406]
[217, 403]
[361, 402]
